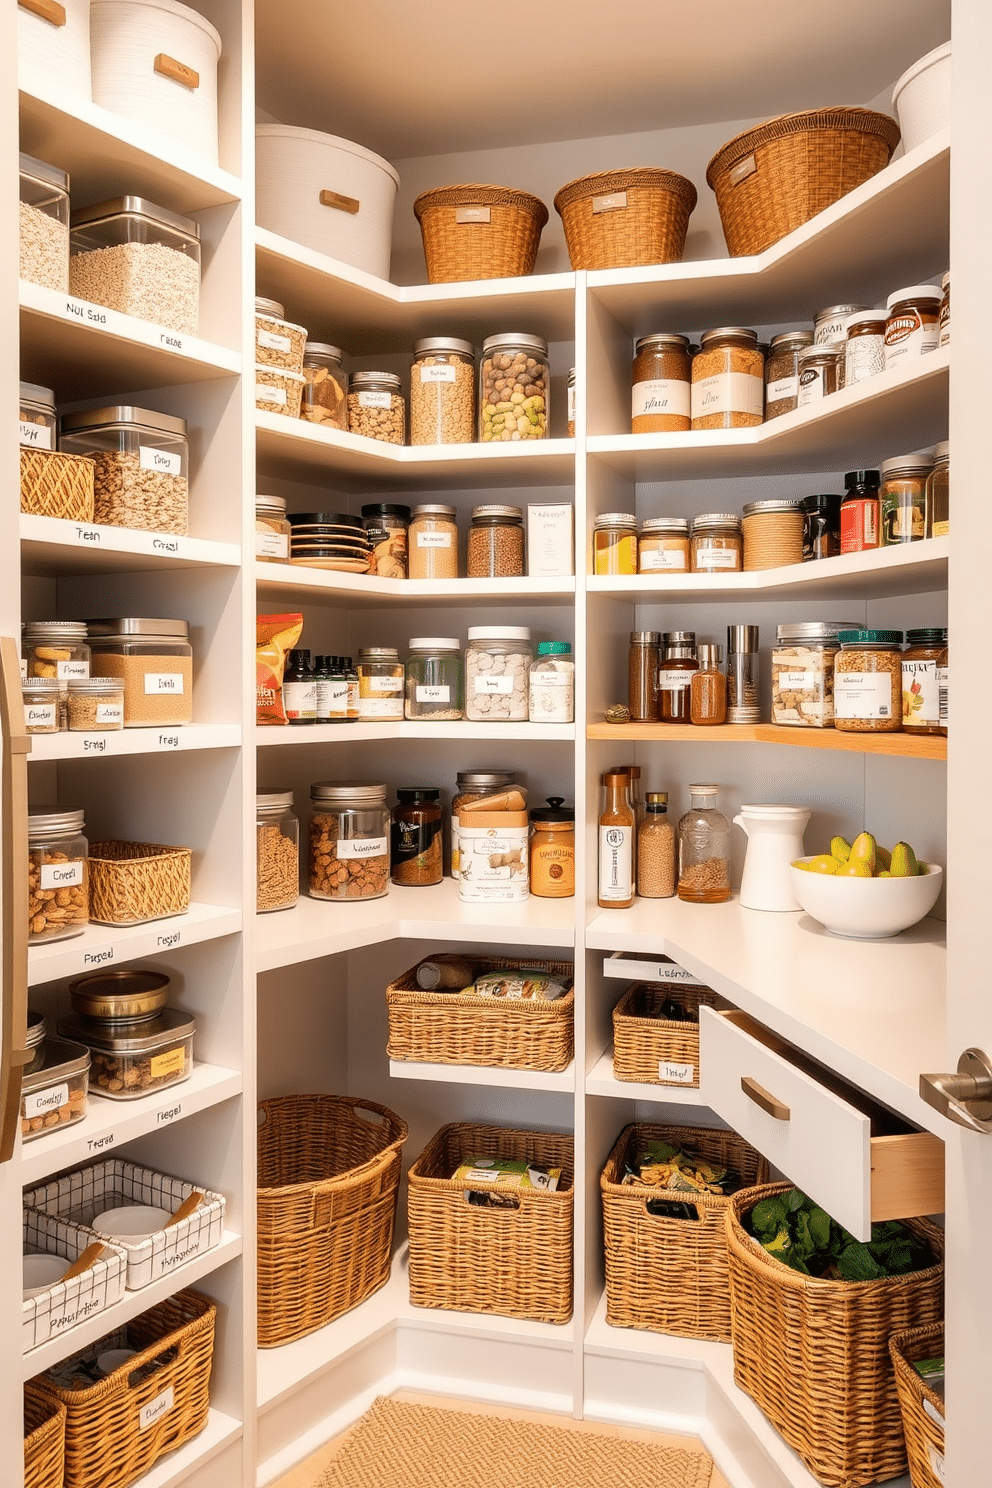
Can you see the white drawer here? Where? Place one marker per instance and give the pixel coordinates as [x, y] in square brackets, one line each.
[840, 1155]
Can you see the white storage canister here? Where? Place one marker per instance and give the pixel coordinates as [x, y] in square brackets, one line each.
[326, 193]
[155, 61]
[922, 97]
[53, 44]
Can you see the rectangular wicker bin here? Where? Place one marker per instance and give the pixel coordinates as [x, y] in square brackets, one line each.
[44, 1439]
[664, 1274]
[644, 1042]
[131, 882]
[447, 1028]
[328, 1180]
[924, 1437]
[57, 485]
[514, 1262]
[814, 1354]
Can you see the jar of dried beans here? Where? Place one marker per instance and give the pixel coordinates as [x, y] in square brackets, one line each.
[925, 682]
[349, 840]
[717, 543]
[496, 543]
[782, 372]
[278, 850]
[140, 465]
[138, 258]
[272, 530]
[902, 499]
[433, 541]
[663, 546]
[375, 406]
[58, 897]
[513, 388]
[661, 380]
[704, 849]
[728, 380]
[442, 391]
[44, 224]
[154, 660]
[868, 682]
[325, 386]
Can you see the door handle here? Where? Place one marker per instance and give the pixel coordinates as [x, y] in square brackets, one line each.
[965, 1097]
[761, 1097]
[14, 1053]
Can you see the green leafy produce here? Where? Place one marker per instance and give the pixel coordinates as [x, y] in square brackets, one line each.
[799, 1233]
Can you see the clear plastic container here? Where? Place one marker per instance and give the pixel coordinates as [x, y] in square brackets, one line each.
[40, 698]
[433, 541]
[58, 892]
[278, 851]
[803, 673]
[514, 381]
[138, 258]
[442, 391]
[278, 342]
[34, 1041]
[497, 666]
[496, 543]
[376, 407]
[272, 530]
[131, 1059]
[54, 1093]
[704, 849]
[434, 678]
[56, 649]
[279, 390]
[95, 705]
[381, 684]
[140, 465]
[325, 388]
[39, 421]
[349, 840]
[44, 223]
[154, 659]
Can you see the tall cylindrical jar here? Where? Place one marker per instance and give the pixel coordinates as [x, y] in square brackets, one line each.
[381, 684]
[704, 849]
[376, 407]
[773, 534]
[497, 668]
[58, 891]
[325, 387]
[661, 385]
[614, 543]
[728, 380]
[496, 542]
[743, 695]
[902, 499]
[656, 853]
[552, 684]
[277, 832]
[442, 391]
[939, 492]
[349, 840]
[925, 707]
[433, 540]
[864, 346]
[514, 381]
[386, 526]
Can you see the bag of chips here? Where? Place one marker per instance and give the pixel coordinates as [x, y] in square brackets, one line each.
[275, 637]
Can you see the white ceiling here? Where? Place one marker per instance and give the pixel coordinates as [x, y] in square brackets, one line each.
[407, 78]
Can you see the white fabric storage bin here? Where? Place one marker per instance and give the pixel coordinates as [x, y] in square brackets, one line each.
[155, 61]
[65, 1303]
[326, 193]
[922, 97]
[53, 45]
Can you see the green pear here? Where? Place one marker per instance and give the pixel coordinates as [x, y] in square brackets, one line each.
[904, 863]
[884, 874]
[840, 849]
[864, 850]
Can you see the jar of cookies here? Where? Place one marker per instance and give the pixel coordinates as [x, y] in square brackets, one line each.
[349, 840]
[325, 387]
[58, 894]
[56, 649]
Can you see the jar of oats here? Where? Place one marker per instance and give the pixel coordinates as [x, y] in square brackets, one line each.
[58, 897]
[95, 705]
[139, 259]
[278, 342]
[140, 465]
[442, 391]
[272, 530]
[433, 539]
[44, 224]
[154, 660]
[803, 673]
[376, 407]
[717, 543]
[868, 682]
[325, 387]
[349, 840]
[513, 388]
[728, 380]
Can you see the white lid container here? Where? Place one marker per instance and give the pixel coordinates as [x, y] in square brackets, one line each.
[54, 55]
[922, 97]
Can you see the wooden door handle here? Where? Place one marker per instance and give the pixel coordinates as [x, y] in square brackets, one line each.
[48, 10]
[177, 71]
[342, 203]
[770, 1103]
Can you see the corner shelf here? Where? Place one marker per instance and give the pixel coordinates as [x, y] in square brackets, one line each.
[291, 583]
[896, 745]
[440, 733]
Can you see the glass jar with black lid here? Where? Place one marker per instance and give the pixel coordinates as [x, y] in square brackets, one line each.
[417, 840]
[821, 531]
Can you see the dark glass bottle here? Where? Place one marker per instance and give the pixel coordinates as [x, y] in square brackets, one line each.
[299, 689]
[418, 844]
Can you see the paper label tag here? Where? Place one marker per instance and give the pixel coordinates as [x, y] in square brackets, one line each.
[110, 713]
[161, 460]
[36, 436]
[272, 341]
[616, 863]
[669, 558]
[269, 544]
[269, 393]
[489, 685]
[171, 682]
[660, 395]
[742, 170]
[380, 708]
[782, 387]
[149, 1414]
[362, 847]
[61, 875]
[65, 670]
[921, 693]
[728, 392]
[862, 695]
[937, 1462]
[796, 681]
[385, 684]
[437, 374]
[433, 694]
[614, 202]
[570, 403]
[708, 558]
[374, 400]
[40, 715]
[550, 679]
[433, 539]
[472, 214]
[676, 1074]
[650, 971]
[40, 1102]
[172, 1063]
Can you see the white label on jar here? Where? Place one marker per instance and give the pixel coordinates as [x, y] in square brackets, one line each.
[433, 694]
[380, 708]
[300, 698]
[436, 373]
[162, 460]
[156, 1409]
[550, 679]
[332, 699]
[675, 1074]
[862, 695]
[39, 1102]
[269, 544]
[652, 559]
[921, 694]
[66, 670]
[782, 387]
[489, 685]
[660, 395]
[172, 682]
[272, 341]
[796, 681]
[942, 683]
[616, 863]
[362, 847]
[40, 715]
[728, 392]
[433, 539]
[825, 332]
[36, 436]
[707, 558]
[61, 875]
[385, 684]
[111, 713]
[570, 403]
[268, 393]
[375, 400]
[674, 681]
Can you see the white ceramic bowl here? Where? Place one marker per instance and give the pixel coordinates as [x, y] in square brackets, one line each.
[131, 1223]
[41, 1272]
[866, 908]
[922, 98]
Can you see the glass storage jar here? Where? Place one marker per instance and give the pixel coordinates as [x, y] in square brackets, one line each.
[902, 499]
[552, 850]
[442, 391]
[434, 678]
[868, 682]
[939, 492]
[773, 534]
[924, 682]
[278, 342]
[139, 259]
[818, 373]
[728, 380]
[496, 543]
[678, 663]
[349, 840]
[514, 382]
[708, 689]
[277, 850]
[272, 529]
[95, 705]
[56, 648]
[40, 698]
[497, 666]
[417, 847]
[58, 894]
[325, 386]
[828, 324]
[54, 1091]
[864, 346]
[34, 1041]
[643, 663]
[859, 512]
[380, 683]
[552, 684]
[663, 546]
[803, 673]
[39, 421]
[782, 372]
[433, 542]
[912, 326]
[132, 1058]
[821, 526]
[154, 659]
[473, 785]
[656, 849]
[661, 384]
[140, 465]
[44, 223]
[386, 527]
[614, 543]
[704, 849]
[717, 543]
[944, 318]
[375, 406]
[570, 400]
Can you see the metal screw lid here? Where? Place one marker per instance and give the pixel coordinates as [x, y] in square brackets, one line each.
[928, 635]
[790, 341]
[663, 339]
[54, 821]
[63, 630]
[759, 508]
[812, 630]
[269, 307]
[941, 452]
[742, 332]
[741, 638]
[703, 790]
[41, 684]
[710, 657]
[617, 519]
[348, 792]
[322, 349]
[678, 525]
[387, 381]
[521, 340]
[443, 344]
[656, 800]
[434, 509]
[271, 797]
[139, 626]
[510, 513]
[36, 1029]
[834, 312]
[33, 392]
[914, 464]
[378, 653]
[497, 778]
[95, 686]
[271, 505]
[645, 637]
[408, 793]
[706, 521]
[679, 637]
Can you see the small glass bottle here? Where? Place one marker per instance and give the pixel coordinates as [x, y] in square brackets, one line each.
[417, 837]
[656, 850]
[938, 492]
[644, 661]
[704, 849]
[859, 527]
[675, 674]
[708, 688]
[616, 846]
[332, 690]
[299, 688]
[743, 696]
[354, 688]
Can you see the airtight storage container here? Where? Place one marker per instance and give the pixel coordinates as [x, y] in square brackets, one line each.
[53, 41]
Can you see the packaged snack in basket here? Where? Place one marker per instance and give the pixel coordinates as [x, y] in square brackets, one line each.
[524, 985]
[275, 637]
[506, 1173]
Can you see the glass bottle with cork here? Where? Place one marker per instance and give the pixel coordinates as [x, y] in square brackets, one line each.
[708, 688]
[675, 675]
[616, 845]
[656, 849]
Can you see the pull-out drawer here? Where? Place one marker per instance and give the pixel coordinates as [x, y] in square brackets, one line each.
[858, 1161]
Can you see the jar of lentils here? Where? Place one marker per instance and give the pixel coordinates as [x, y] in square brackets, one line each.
[513, 388]
[728, 380]
[717, 544]
[496, 543]
[442, 391]
[434, 678]
[349, 840]
[782, 372]
[497, 667]
[376, 407]
[380, 684]
[868, 682]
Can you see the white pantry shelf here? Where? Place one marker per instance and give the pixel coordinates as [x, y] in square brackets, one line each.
[291, 583]
[440, 733]
[107, 742]
[51, 547]
[113, 945]
[176, 1468]
[482, 1074]
[601, 1081]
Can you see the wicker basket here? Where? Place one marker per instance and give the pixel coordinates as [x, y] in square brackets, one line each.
[131, 882]
[770, 180]
[44, 1439]
[116, 1430]
[643, 1041]
[924, 1437]
[666, 1274]
[479, 232]
[328, 1179]
[814, 1354]
[446, 1028]
[515, 1262]
[55, 485]
[616, 219]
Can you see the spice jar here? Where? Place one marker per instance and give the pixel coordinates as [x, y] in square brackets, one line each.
[299, 688]
[902, 499]
[380, 683]
[386, 529]
[514, 380]
[643, 663]
[704, 849]
[821, 526]
[44, 223]
[656, 849]
[728, 382]
[552, 850]
[277, 833]
[717, 544]
[661, 385]
[675, 674]
[140, 463]
[375, 406]
[95, 704]
[154, 659]
[864, 346]
[782, 372]
[325, 386]
[474, 785]
[912, 326]
[434, 678]
[924, 682]
[442, 391]
[552, 684]
[40, 698]
[828, 324]
[616, 845]
[497, 666]
[570, 403]
[939, 492]
[868, 682]
[417, 840]
[272, 530]
[278, 341]
[859, 512]
[743, 697]
[708, 689]
[663, 546]
[433, 542]
[349, 840]
[39, 420]
[139, 259]
[818, 373]
[58, 897]
[773, 534]
[496, 543]
[803, 673]
[944, 318]
[614, 543]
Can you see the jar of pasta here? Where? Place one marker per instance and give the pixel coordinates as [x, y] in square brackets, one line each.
[349, 840]
[614, 543]
[868, 682]
[433, 539]
[272, 530]
[140, 465]
[277, 832]
[375, 406]
[717, 544]
[661, 382]
[325, 386]
[442, 391]
[728, 380]
[380, 684]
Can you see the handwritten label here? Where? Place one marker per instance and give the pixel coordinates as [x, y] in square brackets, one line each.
[168, 682]
[58, 1321]
[166, 545]
[172, 1114]
[67, 671]
[375, 400]
[266, 393]
[385, 684]
[433, 694]
[938, 1463]
[39, 436]
[654, 971]
[41, 716]
[88, 535]
[110, 713]
[40, 1102]
[433, 539]
[437, 373]
[614, 202]
[89, 314]
[155, 1409]
[490, 684]
[61, 875]
[168, 741]
[174, 343]
[169, 942]
[675, 1074]
[363, 847]
[273, 342]
[94, 746]
[150, 458]
[98, 955]
[169, 1262]
[171, 1063]
[99, 1144]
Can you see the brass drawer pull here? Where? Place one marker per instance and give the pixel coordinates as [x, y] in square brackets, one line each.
[770, 1103]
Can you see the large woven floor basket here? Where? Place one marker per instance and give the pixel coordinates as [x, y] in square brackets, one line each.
[464, 1256]
[617, 219]
[664, 1273]
[328, 1179]
[479, 232]
[924, 1436]
[814, 1354]
[44, 1439]
[770, 180]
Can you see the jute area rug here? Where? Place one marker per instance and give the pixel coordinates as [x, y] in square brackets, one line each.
[400, 1445]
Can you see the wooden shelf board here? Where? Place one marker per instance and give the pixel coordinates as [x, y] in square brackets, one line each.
[902, 746]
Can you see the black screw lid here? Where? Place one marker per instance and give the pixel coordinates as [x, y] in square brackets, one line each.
[935, 635]
[555, 811]
[418, 793]
[862, 478]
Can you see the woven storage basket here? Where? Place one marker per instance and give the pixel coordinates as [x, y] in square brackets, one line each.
[772, 179]
[56, 485]
[328, 1179]
[44, 1439]
[116, 1430]
[131, 882]
[516, 1262]
[814, 1354]
[923, 1435]
[666, 1274]
[446, 1028]
[617, 219]
[643, 1041]
[479, 232]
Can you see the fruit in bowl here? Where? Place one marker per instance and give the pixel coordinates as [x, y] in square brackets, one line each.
[834, 887]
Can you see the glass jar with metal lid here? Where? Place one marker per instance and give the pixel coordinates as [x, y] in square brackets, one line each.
[514, 383]
[40, 699]
[496, 543]
[678, 663]
[277, 847]
[95, 705]
[643, 663]
[154, 659]
[120, 994]
[58, 893]
[325, 387]
[925, 708]
[44, 226]
[663, 546]
[140, 465]
[442, 391]
[39, 421]
[433, 539]
[570, 402]
[818, 372]
[138, 258]
[386, 526]
[380, 684]
[902, 498]
[497, 667]
[434, 678]
[349, 840]
[34, 1042]
[473, 785]
[375, 406]
[828, 324]
[129, 1060]
[54, 1088]
[939, 492]
[661, 385]
[56, 649]
[272, 529]
[868, 682]
[773, 533]
[717, 544]
[803, 673]
[614, 543]
[782, 372]
[728, 380]
[278, 341]
[864, 346]
[912, 326]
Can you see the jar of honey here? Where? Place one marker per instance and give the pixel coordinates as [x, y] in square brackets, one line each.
[552, 850]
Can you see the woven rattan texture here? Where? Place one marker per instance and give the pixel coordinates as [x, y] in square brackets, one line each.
[328, 1178]
[445, 1028]
[515, 1262]
[56, 485]
[501, 248]
[814, 1354]
[670, 1275]
[650, 229]
[922, 1432]
[400, 1445]
[131, 882]
[641, 1039]
[44, 1439]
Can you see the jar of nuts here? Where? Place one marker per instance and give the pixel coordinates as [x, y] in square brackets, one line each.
[140, 461]
[131, 1058]
[349, 840]
[56, 649]
[803, 673]
[513, 388]
[376, 407]
[868, 682]
[497, 669]
[96, 705]
[496, 543]
[58, 896]
[325, 391]
[54, 1094]
[442, 391]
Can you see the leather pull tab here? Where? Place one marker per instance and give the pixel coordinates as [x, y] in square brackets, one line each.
[177, 71]
[341, 203]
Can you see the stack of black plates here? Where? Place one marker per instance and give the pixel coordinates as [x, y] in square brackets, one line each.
[330, 540]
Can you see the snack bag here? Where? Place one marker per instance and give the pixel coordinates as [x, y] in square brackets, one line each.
[275, 637]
